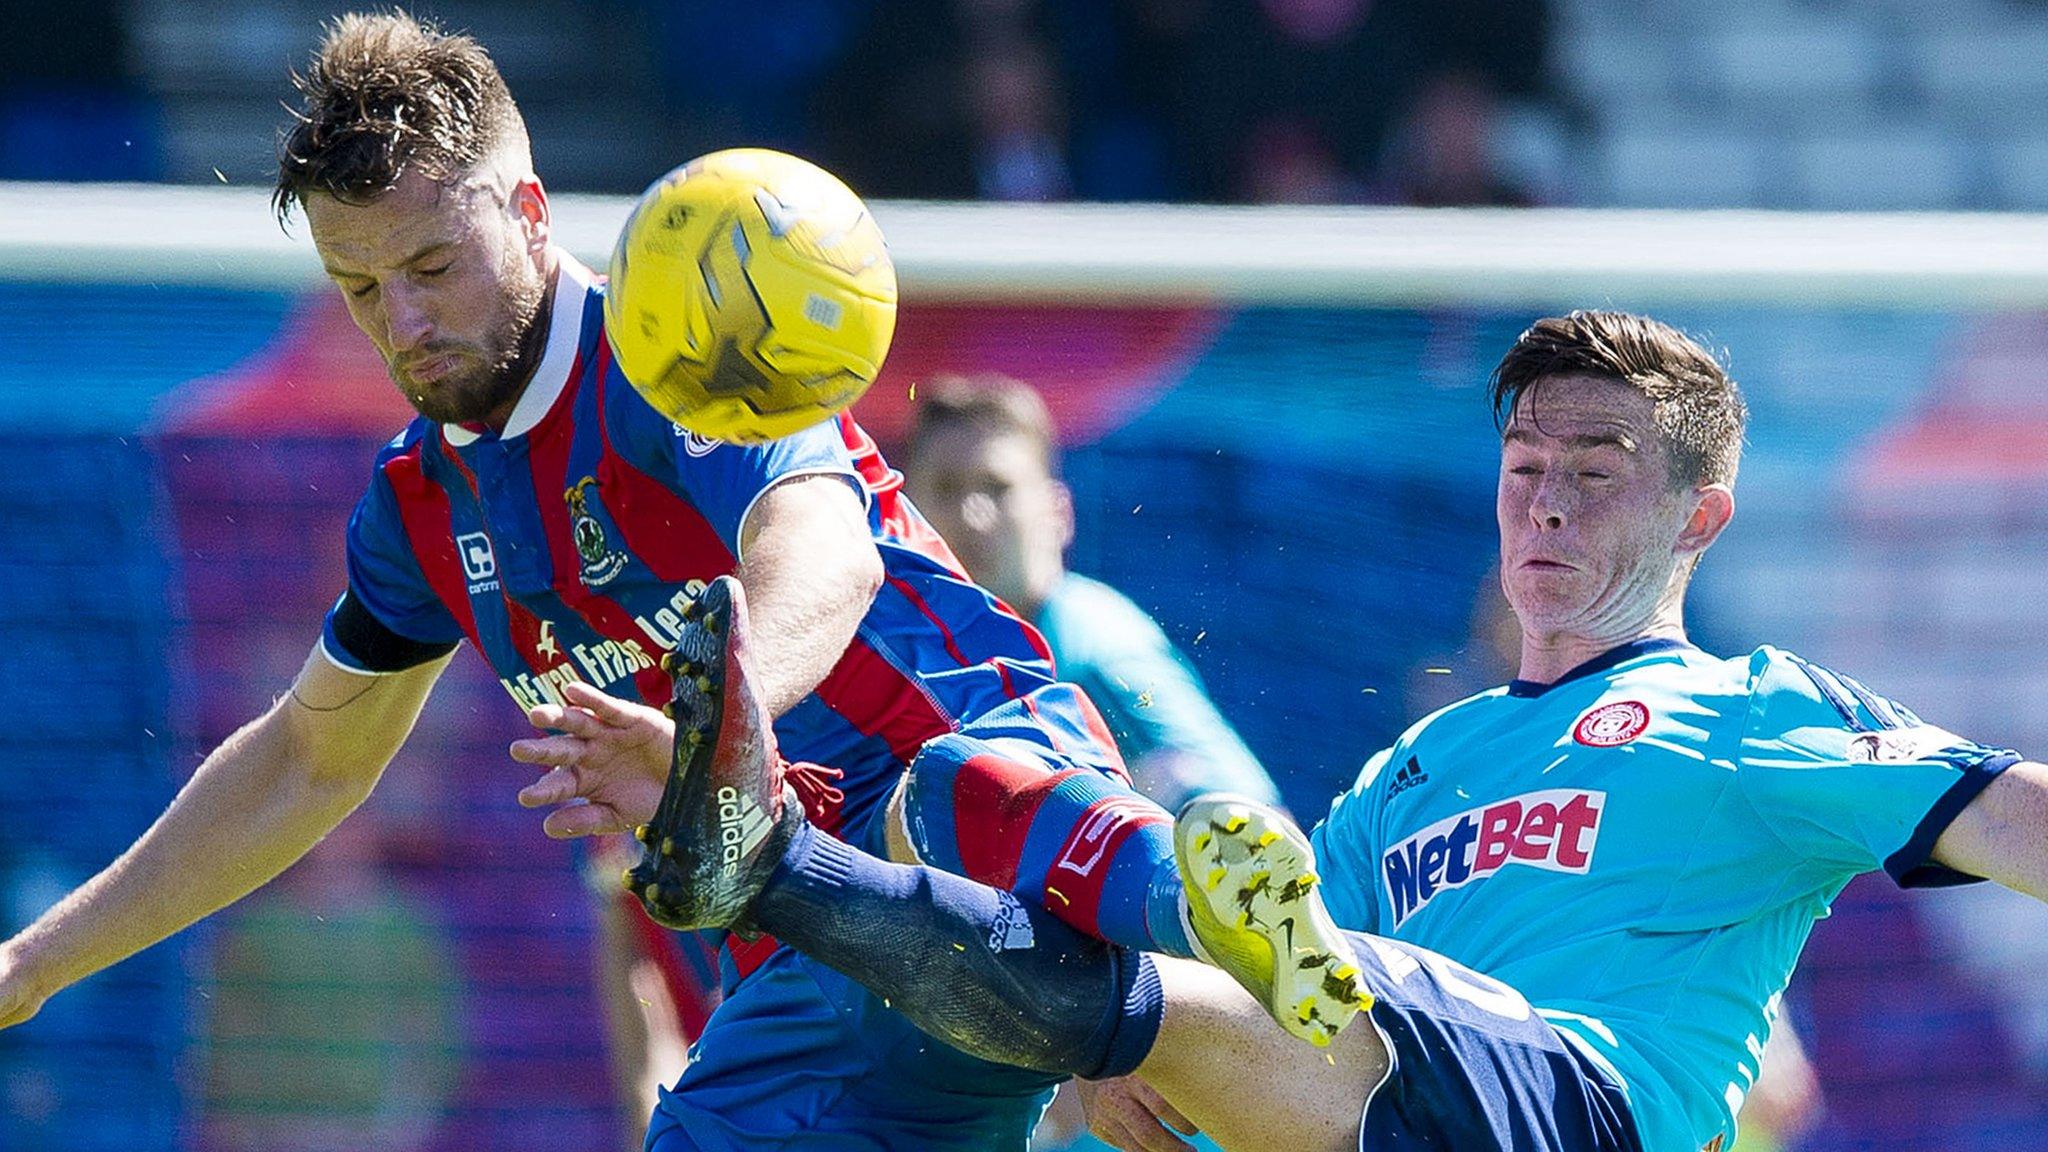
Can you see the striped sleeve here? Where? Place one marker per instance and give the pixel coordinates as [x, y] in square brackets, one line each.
[1850, 781]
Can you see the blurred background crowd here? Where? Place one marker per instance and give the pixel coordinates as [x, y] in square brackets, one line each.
[1779, 103]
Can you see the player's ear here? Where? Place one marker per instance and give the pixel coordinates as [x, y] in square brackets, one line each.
[1063, 511]
[530, 205]
[1713, 505]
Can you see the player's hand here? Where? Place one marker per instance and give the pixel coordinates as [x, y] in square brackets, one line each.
[20, 998]
[1126, 1113]
[607, 761]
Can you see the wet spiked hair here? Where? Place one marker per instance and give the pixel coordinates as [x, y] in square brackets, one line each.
[386, 94]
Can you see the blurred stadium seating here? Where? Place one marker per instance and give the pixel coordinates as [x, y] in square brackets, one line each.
[1824, 104]
[1793, 104]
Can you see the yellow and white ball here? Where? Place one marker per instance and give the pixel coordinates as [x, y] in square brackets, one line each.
[751, 296]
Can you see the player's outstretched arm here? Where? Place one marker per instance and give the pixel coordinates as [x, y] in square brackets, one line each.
[810, 569]
[2002, 834]
[258, 803]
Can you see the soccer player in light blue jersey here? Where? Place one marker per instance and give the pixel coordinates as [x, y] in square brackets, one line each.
[1573, 899]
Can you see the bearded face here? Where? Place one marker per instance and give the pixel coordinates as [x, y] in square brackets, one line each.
[447, 282]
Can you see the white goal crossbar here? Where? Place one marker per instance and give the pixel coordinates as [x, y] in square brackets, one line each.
[1169, 253]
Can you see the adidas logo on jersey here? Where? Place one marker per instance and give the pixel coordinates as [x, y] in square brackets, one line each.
[1554, 830]
[1409, 775]
[742, 825]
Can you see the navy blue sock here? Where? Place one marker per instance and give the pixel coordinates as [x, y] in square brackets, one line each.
[972, 965]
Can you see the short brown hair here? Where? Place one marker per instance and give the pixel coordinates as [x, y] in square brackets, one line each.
[385, 94]
[1699, 410]
[987, 401]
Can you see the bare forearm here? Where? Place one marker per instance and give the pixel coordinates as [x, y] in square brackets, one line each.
[803, 619]
[244, 817]
[810, 575]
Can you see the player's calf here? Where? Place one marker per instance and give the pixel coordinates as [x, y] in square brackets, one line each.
[1252, 903]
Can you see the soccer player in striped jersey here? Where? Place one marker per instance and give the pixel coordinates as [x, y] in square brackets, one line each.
[1574, 899]
[543, 513]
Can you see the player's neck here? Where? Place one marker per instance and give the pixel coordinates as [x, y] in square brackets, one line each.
[1040, 576]
[1547, 657]
[1031, 601]
[1549, 653]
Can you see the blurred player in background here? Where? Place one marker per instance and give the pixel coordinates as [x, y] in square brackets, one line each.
[982, 463]
[1632, 839]
[657, 988]
[542, 511]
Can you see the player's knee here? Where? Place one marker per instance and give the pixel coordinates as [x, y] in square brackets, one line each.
[967, 806]
[898, 846]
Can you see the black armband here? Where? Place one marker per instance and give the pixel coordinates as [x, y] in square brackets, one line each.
[376, 647]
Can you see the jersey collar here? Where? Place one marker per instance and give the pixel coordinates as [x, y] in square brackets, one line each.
[1528, 689]
[551, 376]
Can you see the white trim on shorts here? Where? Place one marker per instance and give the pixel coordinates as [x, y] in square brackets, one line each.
[1393, 1062]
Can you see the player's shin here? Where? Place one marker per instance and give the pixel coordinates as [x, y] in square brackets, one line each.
[972, 965]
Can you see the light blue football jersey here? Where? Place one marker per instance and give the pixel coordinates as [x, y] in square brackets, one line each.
[1641, 848]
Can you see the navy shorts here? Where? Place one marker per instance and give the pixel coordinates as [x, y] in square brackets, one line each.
[1475, 1069]
[800, 1058]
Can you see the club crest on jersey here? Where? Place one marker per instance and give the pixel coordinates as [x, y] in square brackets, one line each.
[593, 547]
[1611, 725]
[1894, 745]
[1554, 830]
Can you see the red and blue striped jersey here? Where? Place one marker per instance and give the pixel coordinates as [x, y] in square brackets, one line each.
[564, 548]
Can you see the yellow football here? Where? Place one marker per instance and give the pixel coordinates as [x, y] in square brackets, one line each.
[751, 296]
